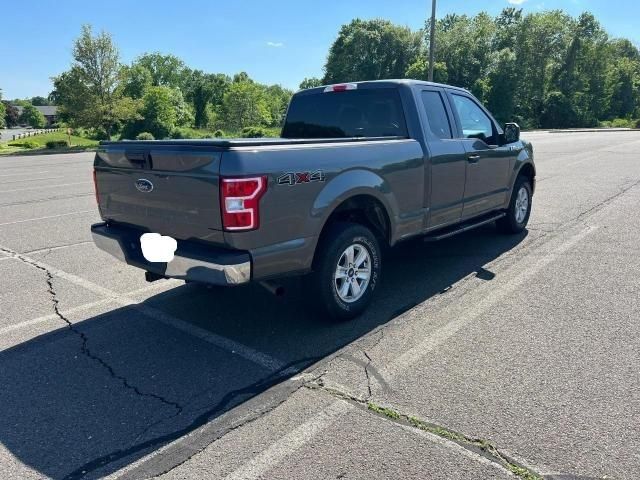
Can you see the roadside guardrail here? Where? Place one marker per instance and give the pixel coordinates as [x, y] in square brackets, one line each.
[33, 133]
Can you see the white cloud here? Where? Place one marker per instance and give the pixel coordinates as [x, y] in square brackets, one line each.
[275, 44]
[516, 2]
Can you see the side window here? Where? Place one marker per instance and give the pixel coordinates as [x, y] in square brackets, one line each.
[436, 114]
[475, 123]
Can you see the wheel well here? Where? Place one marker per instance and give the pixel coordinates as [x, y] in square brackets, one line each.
[365, 210]
[528, 172]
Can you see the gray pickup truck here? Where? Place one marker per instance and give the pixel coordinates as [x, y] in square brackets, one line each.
[359, 166]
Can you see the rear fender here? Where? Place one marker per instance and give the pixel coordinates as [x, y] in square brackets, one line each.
[350, 184]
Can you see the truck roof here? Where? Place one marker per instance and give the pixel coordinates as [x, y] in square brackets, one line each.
[391, 81]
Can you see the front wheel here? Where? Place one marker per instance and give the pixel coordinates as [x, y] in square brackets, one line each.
[519, 208]
[347, 270]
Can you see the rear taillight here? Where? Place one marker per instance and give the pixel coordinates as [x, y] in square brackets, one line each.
[240, 202]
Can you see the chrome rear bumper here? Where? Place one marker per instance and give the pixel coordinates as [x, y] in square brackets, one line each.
[192, 261]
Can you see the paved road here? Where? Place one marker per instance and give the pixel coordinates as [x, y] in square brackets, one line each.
[7, 134]
[529, 344]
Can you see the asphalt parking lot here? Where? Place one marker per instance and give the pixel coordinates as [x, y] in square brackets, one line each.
[483, 356]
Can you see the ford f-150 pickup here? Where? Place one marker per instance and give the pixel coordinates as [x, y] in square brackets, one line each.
[358, 166]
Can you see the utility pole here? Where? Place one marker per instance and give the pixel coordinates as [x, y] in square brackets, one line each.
[432, 39]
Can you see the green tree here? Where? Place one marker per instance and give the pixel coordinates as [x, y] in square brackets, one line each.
[502, 84]
[32, 117]
[88, 93]
[242, 77]
[558, 111]
[184, 114]
[158, 112]
[40, 101]
[371, 50]
[419, 70]
[135, 80]
[245, 105]
[204, 90]
[310, 83]
[277, 99]
[11, 116]
[622, 88]
[3, 122]
[167, 70]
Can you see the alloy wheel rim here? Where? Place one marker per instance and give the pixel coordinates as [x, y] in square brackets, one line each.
[353, 273]
[522, 205]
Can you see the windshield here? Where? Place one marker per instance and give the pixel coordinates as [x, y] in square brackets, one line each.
[375, 112]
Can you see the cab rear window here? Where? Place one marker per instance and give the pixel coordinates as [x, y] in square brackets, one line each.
[374, 112]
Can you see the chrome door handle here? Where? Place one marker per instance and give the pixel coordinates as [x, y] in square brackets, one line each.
[473, 158]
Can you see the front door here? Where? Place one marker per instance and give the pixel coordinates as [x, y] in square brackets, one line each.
[487, 169]
[446, 166]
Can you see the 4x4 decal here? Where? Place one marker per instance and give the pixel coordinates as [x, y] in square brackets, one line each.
[295, 178]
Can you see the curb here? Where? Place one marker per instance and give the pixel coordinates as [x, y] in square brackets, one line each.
[584, 130]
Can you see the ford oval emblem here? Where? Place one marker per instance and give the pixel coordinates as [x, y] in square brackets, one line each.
[143, 185]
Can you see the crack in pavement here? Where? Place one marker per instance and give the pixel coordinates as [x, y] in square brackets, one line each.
[248, 420]
[600, 205]
[255, 388]
[250, 391]
[368, 364]
[479, 446]
[84, 349]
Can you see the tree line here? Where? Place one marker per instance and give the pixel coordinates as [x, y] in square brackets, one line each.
[543, 70]
[158, 96]
[10, 116]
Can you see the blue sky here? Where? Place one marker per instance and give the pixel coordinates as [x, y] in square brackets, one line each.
[280, 41]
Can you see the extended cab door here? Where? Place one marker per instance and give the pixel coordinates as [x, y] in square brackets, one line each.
[487, 177]
[446, 166]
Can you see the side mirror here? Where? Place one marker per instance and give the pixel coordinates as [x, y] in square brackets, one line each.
[511, 132]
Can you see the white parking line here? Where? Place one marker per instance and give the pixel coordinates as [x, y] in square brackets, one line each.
[60, 247]
[47, 217]
[461, 314]
[291, 442]
[451, 445]
[53, 316]
[46, 186]
[23, 174]
[248, 353]
[72, 310]
[33, 179]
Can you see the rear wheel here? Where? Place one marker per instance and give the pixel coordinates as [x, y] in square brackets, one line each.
[347, 270]
[519, 208]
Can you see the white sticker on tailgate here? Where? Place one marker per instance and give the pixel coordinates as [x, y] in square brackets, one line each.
[158, 248]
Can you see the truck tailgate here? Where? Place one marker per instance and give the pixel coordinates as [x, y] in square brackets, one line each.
[163, 189]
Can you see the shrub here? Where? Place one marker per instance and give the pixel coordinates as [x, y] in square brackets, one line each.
[179, 133]
[57, 144]
[253, 132]
[637, 123]
[218, 133]
[186, 132]
[621, 123]
[25, 144]
[145, 136]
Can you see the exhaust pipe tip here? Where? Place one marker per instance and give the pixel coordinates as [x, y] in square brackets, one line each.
[274, 288]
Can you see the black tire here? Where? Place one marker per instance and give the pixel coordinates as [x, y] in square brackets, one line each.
[330, 251]
[510, 224]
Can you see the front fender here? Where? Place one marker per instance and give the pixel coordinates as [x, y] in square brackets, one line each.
[522, 161]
